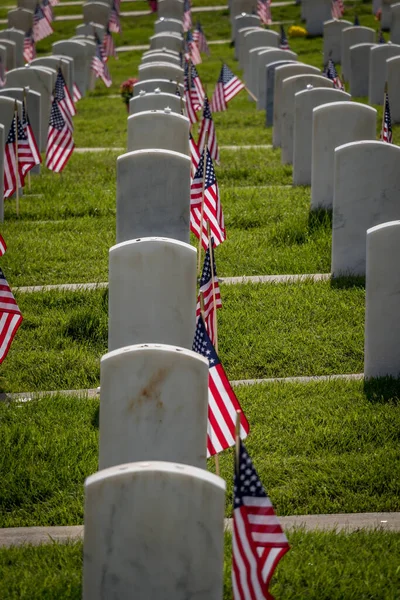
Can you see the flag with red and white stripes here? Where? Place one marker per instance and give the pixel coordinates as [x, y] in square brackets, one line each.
[209, 210]
[29, 47]
[3, 246]
[41, 25]
[191, 95]
[63, 97]
[30, 135]
[194, 153]
[60, 143]
[26, 159]
[54, 2]
[222, 402]
[99, 66]
[187, 15]
[10, 317]
[386, 133]
[10, 161]
[264, 11]
[192, 50]
[209, 288]
[114, 23]
[47, 10]
[258, 541]
[3, 77]
[228, 85]
[337, 9]
[200, 39]
[207, 129]
[108, 44]
[76, 93]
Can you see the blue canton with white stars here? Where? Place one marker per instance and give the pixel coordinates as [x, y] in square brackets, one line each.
[247, 482]
[206, 273]
[11, 134]
[210, 178]
[331, 72]
[226, 75]
[59, 93]
[56, 118]
[202, 344]
[207, 112]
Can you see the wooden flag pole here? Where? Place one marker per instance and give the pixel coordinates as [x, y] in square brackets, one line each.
[212, 285]
[16, 157]
[202, 206]
[237, 440]
[250, 93]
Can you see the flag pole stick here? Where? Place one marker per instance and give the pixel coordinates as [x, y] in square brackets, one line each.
[383, 113]
[202, 206]
[250, 93]
[16, 158]
[212, 284]
[237, 439]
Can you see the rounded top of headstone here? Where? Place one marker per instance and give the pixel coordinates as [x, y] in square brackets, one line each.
[365, 145]
[153, 241]
[151, 348]
[348, 106]
[378, 228]
[151, 153]
[142, 93]
[167, 110]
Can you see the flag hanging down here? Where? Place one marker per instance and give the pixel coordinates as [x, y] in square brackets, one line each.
[264, 11]
[258, 540]
[208, 128]
[60, 143]
[209, 287]
[47, 10]
[10, 161]
[192, 50]
[331, 74]
[222, 402]
[356, 20]
[54, 2]
[283, 42]
[381, 39]
[114, 23]
[194, 153]
[26, 159]
[76, 93]
[200, 39]
[63, 97]
[386, 133]
[99, 66]
[30, 135]
[29, 46]
[212, 209]
[41, 25]
[227, 87]
[187, 15]
[3, 77]
[108, 44]
[10, 317]
[198, 91]
[337, 9]
[3, 246]
[190, 106]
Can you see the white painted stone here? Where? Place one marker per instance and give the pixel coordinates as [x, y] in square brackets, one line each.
[317, 12]
[11, 54]
[244, 20]
[2, 143]
[152, 293]
[270, 88]
[77, 50]
[54, 62]
[155, 528]
[17, 36]
[249, 76]
[382, 290]
[161, 57]
[395, 23]
[290, 87]
[257, 38]
[7, 108]
[305, 102]
[20, 18]
[155, 101]
[366, 193]
[281, 73]
[160, 70]
[350, 37]
[146, 413]
[238, 7]
[172, 41]
[90, 28]
[240, 42]
[386, 16]
[258, 68]
[170, 9]
[333, 39]
[29, 4]
[393, 79]
[378, 72]
[167, 86]
[359, 69]
[334, 125]
[96, 12]
[153, 190]
[158, 129]
[163, 25]
[3, 54]
[33, 100]
[90, 51]
[158, 50]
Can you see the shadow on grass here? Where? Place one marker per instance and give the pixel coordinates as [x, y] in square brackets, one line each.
[347, 282]
[381, 390]
[96, 418]
[319, 219]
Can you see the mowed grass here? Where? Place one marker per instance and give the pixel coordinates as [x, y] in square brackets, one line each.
[323, 447]
[319, 566]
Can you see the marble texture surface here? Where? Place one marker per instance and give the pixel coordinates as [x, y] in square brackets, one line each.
[360, 56]
[316, 13]
[240, 42]
[11, 54]
[77, 50]
[259, 71]
[256, 38]
[378, 70]
[170, 9]
[350, 37]
[270, 70]
[17, 36]
[161, 129]
[244, 20]
[393, 80]
[20, 18]
[167, 86]
[170, 40]
[96, 12]
[162, 25]
[160, 70]
[333, 39]
[250, 76]
[395, 23]
[155, 101]
[161, 56]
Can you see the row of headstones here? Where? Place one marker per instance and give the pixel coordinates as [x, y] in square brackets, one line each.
[93, 11]
[154, 528]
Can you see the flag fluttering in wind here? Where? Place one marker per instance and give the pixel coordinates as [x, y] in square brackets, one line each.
[192, 50]
[10, 317]
[227, 87]
[99, 66]
[41, 25]
[26, 158]
[264, 11]
[114, 23]
[207, 128]
[76, 93]
[283, 42]
[30, 135]
[194, 153]
[337, 9]
[194, 91]
[209, 211]
[63, 97]
[47, 10]
[258, 540]
[209, 288]
[3, 246]
[386, 133]
[29, 47]
[60, 143]
[187, 15]
[331, 74]
[222, 402]
[10, 161]
[200, 39]
[3, 76]
[108, 44]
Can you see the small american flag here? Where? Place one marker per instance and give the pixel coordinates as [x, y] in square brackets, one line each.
[26, 159]
[258, 540]
[356, 21]
[222, 402]
[41, 25]
[29, 47]
[76, 93]
[63, 97]
[60, 143]
[337, 9]
[10, 161]
[108, 44]
[331, 74]
[3, 77]
[99, 65]
[30, 135]
[200, 39]
[212, 209]
[3, 246]
[386, 133]
[114, 23]
[209, 287]
[227, 87]
[198, 92]
[192, 50]
[283, 42]
[47, 10]
[381, 39]
[264, 11]
[194, 153]
[10, 317]
[187, 15]
[207, 128]
[54, 2]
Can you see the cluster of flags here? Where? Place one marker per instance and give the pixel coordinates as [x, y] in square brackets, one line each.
[331, 73]
[42, 19]
[114, 22]
[60, 143]
[99, 62]
[337, 9]
[10, 314]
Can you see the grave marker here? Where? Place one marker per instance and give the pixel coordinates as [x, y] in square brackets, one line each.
[333, 39]
[360, 56]
[350, 37]
[378, 70]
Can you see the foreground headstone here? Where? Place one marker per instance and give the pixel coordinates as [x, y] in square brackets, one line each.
[378, 70]
[155, 101]
[96, 12]
[77, 50]
[146, 413]
[366, 193]
[290, 87]
[393, 79]
[334, 125]
[350, 37]
[159, 129]
[167, 86]
[155, 529]
[305, 102]
[259, 66]
[317, 12]
[360, 56]
[333, 39]
[33, 100]
[20, 18]
[17, 36]
[152, 293]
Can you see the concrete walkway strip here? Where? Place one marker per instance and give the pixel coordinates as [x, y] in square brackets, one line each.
[385, 521]
[109, 149]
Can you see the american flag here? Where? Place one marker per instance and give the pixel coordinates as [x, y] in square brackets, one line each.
[200, 39]
[195, 154]
[227, 87]
[212, 209]
[283, 42]
[192, 50]
[29, 46]
[108, 44]
[60, 143]
[63, 97]
[209, 287]
[54, 2]
[331, 74]
[207, 128]
[47, 10]
[10, 161]
[3, 77]
[26, 159]
[264, 11]
[10, 317]
[356, 21]
[381, 39]
[386, 133]
[41, 25]
[3, 246]
[198, 92]
[258, 540]
[30, 135]
[222, 402]
[187, 15]
[337, 9]
[114, 23]
[76, 93]
[99, 65]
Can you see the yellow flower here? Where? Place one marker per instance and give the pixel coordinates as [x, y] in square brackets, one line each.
[297, 31]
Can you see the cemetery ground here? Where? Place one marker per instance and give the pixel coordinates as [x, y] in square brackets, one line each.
[322, 447]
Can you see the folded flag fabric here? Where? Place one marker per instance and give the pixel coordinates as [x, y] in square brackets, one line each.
[209, 289]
